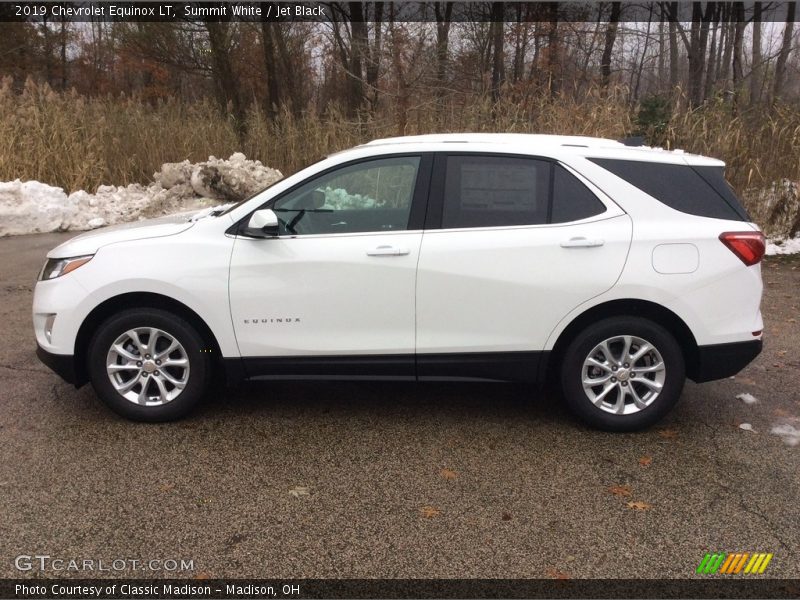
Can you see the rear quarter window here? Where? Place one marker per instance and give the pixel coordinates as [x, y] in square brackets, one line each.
[700, 191]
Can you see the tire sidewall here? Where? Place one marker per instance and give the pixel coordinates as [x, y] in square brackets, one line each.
[182, 331]
[572, 373]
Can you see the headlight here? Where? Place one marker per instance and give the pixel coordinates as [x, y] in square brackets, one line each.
[56, 267]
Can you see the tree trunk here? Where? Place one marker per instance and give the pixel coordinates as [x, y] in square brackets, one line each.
[270, 67]
[712, 54]
[374, 56]
[755, 73]
[608, 49]
[498, 74]
[673, 46]
[727, 55]
[358, 44]
[662, 52]
[63, 55]
[226, 83]
[738, 42]
[553, 53]
[783, 56]
[443, 15]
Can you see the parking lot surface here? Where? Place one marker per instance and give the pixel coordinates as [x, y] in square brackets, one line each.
[388, 480]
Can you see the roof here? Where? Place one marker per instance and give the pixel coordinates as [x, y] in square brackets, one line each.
[573, 144]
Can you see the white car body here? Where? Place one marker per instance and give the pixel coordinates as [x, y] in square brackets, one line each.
[416, 300]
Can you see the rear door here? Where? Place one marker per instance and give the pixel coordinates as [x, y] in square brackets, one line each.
[512, 244]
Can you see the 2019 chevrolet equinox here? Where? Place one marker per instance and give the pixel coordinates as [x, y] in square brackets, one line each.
[618, 271]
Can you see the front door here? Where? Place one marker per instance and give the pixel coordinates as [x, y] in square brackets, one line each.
[339, 281]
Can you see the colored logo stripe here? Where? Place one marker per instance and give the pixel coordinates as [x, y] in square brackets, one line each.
[731, 564]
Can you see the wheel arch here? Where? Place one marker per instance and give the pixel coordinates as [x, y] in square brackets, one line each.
[629, 307]
[128, 300]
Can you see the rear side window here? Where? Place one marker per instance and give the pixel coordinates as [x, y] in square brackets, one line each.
[700, 191]
[572, 201]
[501, 191]
[493, 191]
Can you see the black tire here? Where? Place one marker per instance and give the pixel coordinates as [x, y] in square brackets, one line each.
[572, 375]
[197, 377]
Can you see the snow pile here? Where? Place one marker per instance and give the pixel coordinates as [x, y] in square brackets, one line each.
[783, 246]
[34, 207]
[776, 208]
[340, 199]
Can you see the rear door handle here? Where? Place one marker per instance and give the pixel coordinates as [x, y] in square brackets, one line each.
[387, 250]
[582, 242]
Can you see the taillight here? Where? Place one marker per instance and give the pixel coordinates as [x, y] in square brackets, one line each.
[749, 246]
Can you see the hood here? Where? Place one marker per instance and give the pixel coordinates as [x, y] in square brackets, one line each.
[91, 241]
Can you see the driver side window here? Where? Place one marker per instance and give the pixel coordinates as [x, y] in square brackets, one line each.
[373, 195]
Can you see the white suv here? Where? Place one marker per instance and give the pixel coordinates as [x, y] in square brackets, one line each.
[616, 271]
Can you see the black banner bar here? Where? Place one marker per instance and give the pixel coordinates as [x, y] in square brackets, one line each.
[402, 11]
[746, 586]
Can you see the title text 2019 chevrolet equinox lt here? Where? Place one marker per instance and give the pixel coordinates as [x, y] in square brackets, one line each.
[618, 271]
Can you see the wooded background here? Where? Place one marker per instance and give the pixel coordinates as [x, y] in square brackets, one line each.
[96, 102]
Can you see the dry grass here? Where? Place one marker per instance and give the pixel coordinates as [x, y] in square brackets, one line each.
[80, 143]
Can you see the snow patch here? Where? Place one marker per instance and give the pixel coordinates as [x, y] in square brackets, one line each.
[788, 433]
[34, 207]
[747, 398]
[783, 246]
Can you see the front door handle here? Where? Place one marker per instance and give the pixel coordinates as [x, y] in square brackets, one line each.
[387, 250]
[582, 242]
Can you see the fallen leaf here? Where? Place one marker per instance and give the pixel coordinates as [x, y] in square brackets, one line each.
[639, 505]
[781, 353]
[166, 487]
[299, 490]
[646, 461]
[746, 427]
[429, 512]
[448, 474]
[506, 516]
[620, 490]
[668, 433]
[202, 576]
[556, 574]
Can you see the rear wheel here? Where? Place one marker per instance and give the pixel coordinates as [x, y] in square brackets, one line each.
[148, 365]
[622, 374]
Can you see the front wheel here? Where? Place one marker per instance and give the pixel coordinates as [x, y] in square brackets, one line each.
[148, 365]
[622, 374]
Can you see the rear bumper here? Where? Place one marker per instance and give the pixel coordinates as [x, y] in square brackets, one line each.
[718, 361]
[62, 364]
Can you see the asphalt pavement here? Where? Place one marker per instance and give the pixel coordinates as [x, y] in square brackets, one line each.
[388, 480]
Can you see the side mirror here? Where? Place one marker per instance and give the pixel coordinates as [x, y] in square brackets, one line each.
[262, 224]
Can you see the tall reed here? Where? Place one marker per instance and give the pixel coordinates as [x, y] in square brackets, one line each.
[79, 143]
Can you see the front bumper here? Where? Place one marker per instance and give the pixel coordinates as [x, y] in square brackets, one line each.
[62, 364]
[718, 361]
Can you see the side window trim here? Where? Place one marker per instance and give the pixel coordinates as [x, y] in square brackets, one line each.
[434, 218]
[419, 200]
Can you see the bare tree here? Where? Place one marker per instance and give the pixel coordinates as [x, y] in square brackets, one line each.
[608, 48]
[498, 71]
[757, 67]
[783, 55]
